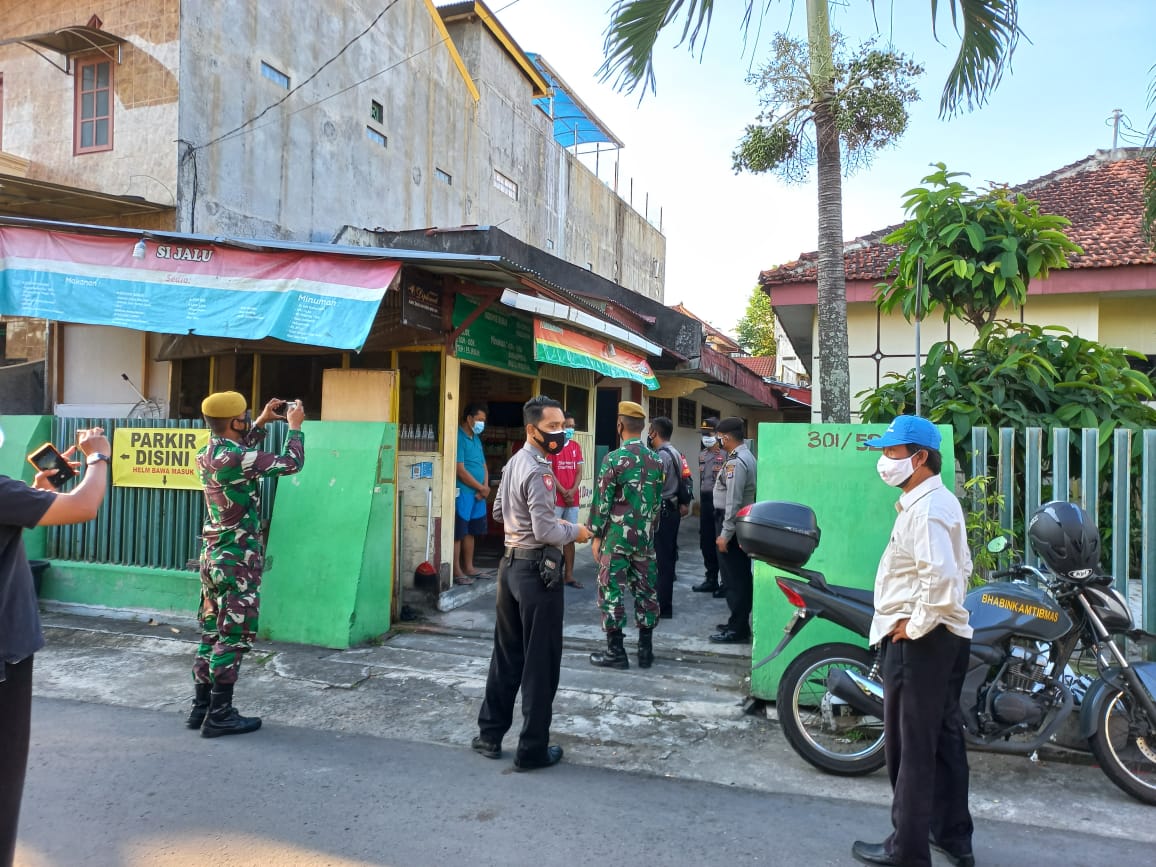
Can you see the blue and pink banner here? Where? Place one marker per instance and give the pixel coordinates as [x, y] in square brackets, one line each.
[315, 299]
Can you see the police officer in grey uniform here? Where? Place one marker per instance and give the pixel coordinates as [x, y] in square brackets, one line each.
[528, 630]
[734, 488]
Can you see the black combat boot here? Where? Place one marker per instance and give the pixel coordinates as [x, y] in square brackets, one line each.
[200, 706]
[223, 718]
[615, 655]
[645, 647]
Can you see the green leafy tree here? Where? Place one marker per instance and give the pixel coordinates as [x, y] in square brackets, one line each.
[980, 250]
[988, 31]
[756, 330]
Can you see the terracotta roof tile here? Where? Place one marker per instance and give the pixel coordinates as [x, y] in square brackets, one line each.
[1101, 195]
[760, 365]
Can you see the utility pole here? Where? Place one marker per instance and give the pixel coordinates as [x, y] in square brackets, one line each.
[1116, 115]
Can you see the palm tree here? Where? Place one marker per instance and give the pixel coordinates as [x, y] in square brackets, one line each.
[988, 31]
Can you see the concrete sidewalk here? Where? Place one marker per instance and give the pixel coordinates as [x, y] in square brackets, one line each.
[681, 719]
[696, 615]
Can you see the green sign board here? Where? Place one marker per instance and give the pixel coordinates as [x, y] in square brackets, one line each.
[499, 337]
[826, 467]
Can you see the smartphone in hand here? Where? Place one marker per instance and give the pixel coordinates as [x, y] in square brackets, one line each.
[48, 458]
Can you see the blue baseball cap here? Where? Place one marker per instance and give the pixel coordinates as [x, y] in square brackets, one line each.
[908, 430]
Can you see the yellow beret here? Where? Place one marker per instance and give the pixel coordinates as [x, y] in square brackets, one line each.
[224, 404]
[631, 409]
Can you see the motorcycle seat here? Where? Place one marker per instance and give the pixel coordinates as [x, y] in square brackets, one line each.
[867, 597]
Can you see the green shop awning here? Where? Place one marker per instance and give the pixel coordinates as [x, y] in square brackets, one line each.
[554, 344]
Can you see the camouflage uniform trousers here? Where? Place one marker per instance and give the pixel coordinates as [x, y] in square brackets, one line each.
[618, 571]
[230, 603]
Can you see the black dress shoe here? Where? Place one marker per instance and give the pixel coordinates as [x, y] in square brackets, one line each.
[721, 593]
[552, 757]
[729, 636]
[959, 859]
[705, 587]
[489, 749]
[873, 853]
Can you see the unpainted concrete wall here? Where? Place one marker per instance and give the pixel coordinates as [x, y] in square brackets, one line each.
[307, 167]
[39, 98]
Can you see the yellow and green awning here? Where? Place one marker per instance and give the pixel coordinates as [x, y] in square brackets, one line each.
[555, 344]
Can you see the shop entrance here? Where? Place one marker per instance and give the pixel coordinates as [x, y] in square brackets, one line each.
[606, 422]
[503, 394]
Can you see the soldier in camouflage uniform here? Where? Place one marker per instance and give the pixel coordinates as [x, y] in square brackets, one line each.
[232, 555]
[623, 517]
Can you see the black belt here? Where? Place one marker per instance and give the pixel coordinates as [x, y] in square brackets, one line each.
[523, 554]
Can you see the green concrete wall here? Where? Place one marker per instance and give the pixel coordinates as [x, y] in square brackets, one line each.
[329, 571]
[22, 435]
[825, 467]
[114, 586]
[330, 558]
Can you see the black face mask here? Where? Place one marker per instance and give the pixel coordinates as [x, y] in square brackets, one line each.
[244, 423]
[552, 442]
[650, 441]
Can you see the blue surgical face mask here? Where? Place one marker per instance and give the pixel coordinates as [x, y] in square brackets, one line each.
[569, 433]
[479, 426]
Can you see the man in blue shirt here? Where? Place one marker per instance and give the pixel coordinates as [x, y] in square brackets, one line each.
[473, 489]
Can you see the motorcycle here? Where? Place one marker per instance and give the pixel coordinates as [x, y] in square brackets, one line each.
[1038, 637]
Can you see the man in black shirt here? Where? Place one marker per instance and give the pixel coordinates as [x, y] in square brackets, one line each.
[23, 507]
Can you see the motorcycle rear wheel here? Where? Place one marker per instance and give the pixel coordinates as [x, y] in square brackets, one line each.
[1128, 760]
[832, 737]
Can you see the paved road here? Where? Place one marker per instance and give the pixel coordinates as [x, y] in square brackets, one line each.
[125, 786]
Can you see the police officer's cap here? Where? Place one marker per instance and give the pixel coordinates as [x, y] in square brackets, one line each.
[732, 425]
[709, 424]
[224, 404]
[630, 409]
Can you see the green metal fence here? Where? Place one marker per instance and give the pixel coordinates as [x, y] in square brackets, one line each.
[152, 527]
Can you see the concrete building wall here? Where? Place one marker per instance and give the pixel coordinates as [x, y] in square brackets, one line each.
[38, 112]
[1123, 320]
[305, 168]
[92, 359]
[1130, 323]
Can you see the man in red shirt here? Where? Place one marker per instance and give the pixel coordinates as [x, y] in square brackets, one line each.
[567, 467]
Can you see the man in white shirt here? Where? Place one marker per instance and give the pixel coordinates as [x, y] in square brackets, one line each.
[922, 626]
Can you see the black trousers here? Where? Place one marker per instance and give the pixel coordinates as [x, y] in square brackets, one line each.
[736, 568]
[923, 741]
[527, 655]
[665, 556]
[707, 533]
[15, 719]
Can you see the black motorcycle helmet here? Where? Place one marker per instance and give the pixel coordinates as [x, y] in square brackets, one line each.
[1066, 538]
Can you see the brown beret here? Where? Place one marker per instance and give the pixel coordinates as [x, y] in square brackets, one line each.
[631, 409]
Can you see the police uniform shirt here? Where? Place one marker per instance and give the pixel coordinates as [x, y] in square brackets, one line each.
[739, 478]
[720, 486]
[525, 503]
[672, 465]
[710, 464]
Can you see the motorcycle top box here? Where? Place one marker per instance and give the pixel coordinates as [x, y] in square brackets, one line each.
[779, 533]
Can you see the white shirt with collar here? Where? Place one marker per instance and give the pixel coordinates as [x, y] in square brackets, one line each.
[923, 573]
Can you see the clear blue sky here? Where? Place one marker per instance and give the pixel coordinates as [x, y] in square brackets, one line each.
[1083, 60]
